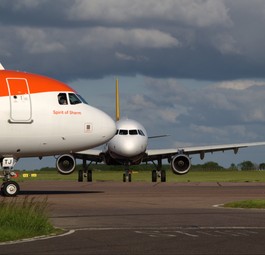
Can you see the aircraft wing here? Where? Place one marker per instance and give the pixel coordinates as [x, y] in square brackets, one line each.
[92, 155]
[201, 150]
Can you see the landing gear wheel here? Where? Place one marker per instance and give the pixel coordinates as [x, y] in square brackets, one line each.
[127, 177]
[163, 176]
[10, 189]
[89, 175]
[80, 175]
[154, 176]
[124, 177]
[2, 188]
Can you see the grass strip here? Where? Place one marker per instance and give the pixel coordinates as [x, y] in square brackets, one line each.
[21, 219]
[145, 176]
[258, 204]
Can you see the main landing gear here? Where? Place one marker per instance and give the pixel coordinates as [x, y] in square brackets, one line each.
[158, 173]
[85, 172]
[9, 188]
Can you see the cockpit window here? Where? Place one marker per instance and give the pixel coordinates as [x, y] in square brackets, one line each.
[123, 132]
[62, 98]
[130, 132]
[74, 99]
[141, 132]
[133, 132]
[82, 99]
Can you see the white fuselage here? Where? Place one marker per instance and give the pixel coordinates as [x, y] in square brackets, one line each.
[34, 123]
[129, 144]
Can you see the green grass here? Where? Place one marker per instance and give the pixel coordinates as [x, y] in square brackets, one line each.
[258, 204]
[141, 174]
[23, 219]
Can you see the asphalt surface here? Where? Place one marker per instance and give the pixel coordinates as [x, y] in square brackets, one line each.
[146, 218]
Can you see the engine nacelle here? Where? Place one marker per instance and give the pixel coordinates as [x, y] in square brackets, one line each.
[180, 164]
[65, 164]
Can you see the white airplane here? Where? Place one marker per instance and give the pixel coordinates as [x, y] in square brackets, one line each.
[129, 147]
[40, 116]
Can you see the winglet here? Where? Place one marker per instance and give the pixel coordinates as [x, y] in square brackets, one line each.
[117, 101]
[1, 67]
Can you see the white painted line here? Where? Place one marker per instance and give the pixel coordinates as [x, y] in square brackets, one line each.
[37, 238]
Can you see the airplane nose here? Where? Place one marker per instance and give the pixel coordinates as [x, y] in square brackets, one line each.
[105, 127]
[129, 149]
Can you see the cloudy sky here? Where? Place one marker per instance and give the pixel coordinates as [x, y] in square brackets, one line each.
[194, 69]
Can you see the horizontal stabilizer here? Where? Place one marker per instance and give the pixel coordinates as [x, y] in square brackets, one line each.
[1, 67]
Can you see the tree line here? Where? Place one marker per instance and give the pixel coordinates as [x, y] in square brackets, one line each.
[243, 166]
[210, 166]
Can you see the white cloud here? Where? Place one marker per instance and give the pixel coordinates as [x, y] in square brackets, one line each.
[226, 44]
[240, 84]
[37, 41]
[199, 13]
[139, 102]
[125, 57]
[168, 115]
[142, 38]
[27, 4]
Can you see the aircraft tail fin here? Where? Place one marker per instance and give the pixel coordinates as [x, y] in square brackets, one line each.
[117, 101]
[1, 67]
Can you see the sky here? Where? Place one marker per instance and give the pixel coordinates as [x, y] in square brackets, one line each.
[193, 69]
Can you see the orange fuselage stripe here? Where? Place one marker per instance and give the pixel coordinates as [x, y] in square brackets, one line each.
[17, 83]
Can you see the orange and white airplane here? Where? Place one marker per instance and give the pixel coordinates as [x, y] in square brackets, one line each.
[129, 147]
[40, 116]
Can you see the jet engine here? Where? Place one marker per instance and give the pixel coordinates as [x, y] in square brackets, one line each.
[65, 164]
[180, 164]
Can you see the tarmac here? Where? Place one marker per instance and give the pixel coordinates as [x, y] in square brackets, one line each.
[146, 218]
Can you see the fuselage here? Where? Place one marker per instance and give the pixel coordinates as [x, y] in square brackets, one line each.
[35, 121]
[129, 144]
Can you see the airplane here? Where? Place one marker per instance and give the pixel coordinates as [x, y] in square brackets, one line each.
[40, 116]
[129, 147]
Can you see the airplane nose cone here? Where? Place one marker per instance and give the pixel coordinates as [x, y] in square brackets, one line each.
[104, 126]
[127, 149]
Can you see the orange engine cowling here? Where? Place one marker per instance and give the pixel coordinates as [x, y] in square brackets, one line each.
[180, 164]
[65, 164]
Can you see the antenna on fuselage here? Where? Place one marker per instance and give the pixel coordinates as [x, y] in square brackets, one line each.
[117, 100]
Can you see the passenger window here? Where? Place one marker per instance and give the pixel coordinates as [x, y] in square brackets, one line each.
[133, 132]
[123, 132]
[62, 98]
[74, 99]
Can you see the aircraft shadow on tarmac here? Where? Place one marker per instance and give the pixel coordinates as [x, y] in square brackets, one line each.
[56, 192]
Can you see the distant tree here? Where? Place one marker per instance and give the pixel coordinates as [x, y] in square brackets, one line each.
[262, 166]
[211, 166]
[246, 165]
[233, 166]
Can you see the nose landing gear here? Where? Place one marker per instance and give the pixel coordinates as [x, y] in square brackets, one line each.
[9, 188]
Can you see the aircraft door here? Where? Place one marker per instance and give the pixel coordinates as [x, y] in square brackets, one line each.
[20, 102]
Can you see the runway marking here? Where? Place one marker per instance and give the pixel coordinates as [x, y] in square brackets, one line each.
[37, 238]
[169, 232]
[195, 233]
[186, 234]
[191, 232]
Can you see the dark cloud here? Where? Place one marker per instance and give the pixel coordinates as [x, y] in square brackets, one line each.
[207, 40]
